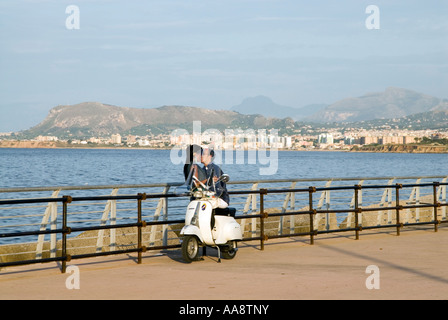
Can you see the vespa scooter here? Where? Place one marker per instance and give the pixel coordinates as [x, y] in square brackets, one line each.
[208, 225]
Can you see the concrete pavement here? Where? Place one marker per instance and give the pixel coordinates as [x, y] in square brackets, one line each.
[410, 266]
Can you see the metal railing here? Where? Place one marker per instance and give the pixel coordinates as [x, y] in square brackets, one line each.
[263, 214]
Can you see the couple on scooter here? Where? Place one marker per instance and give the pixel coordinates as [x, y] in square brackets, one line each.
[197, 155]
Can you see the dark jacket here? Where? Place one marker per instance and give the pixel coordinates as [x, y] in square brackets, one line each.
[221, 187]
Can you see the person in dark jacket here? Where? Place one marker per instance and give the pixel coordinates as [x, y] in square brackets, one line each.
[210, 168]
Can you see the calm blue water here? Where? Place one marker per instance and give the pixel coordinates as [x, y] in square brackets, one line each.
[84, 167]
[75, 167]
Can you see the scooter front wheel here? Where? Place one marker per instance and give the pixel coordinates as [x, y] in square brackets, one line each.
[190, 248]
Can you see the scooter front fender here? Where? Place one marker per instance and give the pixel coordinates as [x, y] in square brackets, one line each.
[191, 230]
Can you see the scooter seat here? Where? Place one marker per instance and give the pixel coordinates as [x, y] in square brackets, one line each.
[230, 212]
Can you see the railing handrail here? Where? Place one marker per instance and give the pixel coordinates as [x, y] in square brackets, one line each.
[176, 184]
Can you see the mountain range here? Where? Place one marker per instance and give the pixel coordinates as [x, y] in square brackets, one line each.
[90, 119]
[265, 106]
[391, 103]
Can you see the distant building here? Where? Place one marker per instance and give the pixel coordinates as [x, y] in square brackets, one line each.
[407, 139]
[116, 138]
[350, 141]
[325, 138]
[47, 138]
[131, 139]
[390, 140]
[287, 142]
[368, 140]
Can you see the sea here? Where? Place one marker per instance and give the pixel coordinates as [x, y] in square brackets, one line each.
[76, 167]
[27, 168]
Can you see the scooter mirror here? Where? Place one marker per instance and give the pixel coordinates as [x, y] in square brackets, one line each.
[224, 178]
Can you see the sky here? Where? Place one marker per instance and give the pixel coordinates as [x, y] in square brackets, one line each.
[214, 53]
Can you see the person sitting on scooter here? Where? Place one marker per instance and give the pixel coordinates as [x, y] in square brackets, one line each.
[221, 190]
[192, 164]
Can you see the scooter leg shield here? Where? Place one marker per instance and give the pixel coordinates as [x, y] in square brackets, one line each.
[233, 231]
[230, 231]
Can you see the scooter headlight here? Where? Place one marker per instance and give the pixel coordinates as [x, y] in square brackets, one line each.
[198, 194]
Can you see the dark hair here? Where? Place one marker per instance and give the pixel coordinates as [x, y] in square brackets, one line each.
[211, 152]
[191, 149]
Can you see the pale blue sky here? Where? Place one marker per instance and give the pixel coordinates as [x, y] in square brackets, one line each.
[213, 53]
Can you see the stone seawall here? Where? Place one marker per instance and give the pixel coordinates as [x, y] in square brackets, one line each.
[402, 148]
[28, 144]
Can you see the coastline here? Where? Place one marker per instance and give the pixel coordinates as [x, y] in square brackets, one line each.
[390, 148]
[402, 148]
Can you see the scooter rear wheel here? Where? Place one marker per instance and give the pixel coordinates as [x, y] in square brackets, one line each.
[229, 252]
[190, 248]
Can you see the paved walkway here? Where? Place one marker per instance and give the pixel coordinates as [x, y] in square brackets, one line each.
[411, 266]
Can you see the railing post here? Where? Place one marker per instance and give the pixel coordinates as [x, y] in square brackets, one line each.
[311, 190]
[141, 196]
[416, 192]
[263, 216]
[436, 205]
[443, 192]
[65, 231]
[357, 211]
[165, 218]
[398, 186]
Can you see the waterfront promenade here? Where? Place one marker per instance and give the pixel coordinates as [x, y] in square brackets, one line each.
[411, 266]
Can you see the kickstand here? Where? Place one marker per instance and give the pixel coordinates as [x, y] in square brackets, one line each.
[219, 254]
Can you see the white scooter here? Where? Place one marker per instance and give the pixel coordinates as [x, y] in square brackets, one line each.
[208, 225]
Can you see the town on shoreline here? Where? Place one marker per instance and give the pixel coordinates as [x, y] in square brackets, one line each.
[423, 141]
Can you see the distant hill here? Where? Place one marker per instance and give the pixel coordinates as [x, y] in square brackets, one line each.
[436, 119]
[264, 106]
[94, 119]
[391, 103]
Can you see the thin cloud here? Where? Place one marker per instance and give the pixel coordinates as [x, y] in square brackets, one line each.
[298, 19]
[151, 25]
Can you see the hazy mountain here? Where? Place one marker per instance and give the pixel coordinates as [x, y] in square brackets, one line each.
[437, 118]
[94, 119]
[264, 106]
[392, 103]
[434, 119]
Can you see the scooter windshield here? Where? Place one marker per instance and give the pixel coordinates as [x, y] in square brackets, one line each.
[186, 187]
